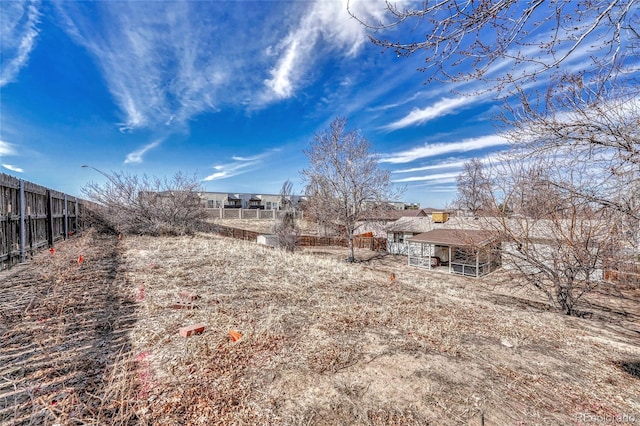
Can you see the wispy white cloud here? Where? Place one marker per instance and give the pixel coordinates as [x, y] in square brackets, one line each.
[165, 63]
[325, 20]
[137, 156]
[18, 32]
[452, 163]
[475, 91]
[255, 157]
[417, 116]
[396, 104]
[168, 63]
[438, 177]
[6, 148]
[441, 148]
[13, 168]
[228, 170]
[238, 166]
[441, 165]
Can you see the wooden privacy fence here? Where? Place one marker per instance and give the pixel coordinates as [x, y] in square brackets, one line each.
[623, 272]
[227, 231]
[372, 243]
[33, 217]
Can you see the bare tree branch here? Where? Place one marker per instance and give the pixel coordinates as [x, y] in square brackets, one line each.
[147, 205]
[529, 37]
[473, 187]
[344, 180]
[556, 242]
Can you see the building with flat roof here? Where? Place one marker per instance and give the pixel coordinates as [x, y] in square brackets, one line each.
[231, 200]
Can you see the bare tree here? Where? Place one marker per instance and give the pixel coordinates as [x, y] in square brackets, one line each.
[587, 52]
[509, 41]
[557, 242]
[344, 179]
[285, 227]
[317, 211]
[127, 203]
[595, 133]
[576, 145]
[473, 187]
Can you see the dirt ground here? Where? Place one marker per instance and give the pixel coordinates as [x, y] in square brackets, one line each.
[323, 342]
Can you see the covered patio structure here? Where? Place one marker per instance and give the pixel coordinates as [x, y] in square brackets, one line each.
[465, 252]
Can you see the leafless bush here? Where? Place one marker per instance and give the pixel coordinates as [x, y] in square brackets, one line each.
[148, 205]
[285, 227]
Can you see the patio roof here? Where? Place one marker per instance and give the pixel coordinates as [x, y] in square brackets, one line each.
[456, 237]
[411, 224]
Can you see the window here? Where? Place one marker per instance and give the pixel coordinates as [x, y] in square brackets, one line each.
[210, 204]
[268, 205]
[398, 237]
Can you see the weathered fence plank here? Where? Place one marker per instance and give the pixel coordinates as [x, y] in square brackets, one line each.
[372, 243]
[33, 217]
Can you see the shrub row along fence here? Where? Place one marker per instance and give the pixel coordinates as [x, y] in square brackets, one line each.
[33, 217]
[372, 243]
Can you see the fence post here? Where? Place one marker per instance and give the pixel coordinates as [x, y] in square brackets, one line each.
[75, 218]
[49, 218]
[23, 231]
[66, 217]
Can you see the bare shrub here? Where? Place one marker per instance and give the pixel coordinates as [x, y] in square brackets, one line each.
[146, 205]
[285, 227]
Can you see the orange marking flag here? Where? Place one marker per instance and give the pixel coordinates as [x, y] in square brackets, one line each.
[235, 336]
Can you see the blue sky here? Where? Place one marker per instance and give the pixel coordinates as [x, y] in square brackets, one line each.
[231, 91]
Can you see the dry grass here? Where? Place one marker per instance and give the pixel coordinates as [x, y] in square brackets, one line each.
[330, 343]
[324, 342]
[265, 226]
[65, 327]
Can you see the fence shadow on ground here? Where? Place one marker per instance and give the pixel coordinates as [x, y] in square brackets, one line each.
[65, 355]
[631, 367]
